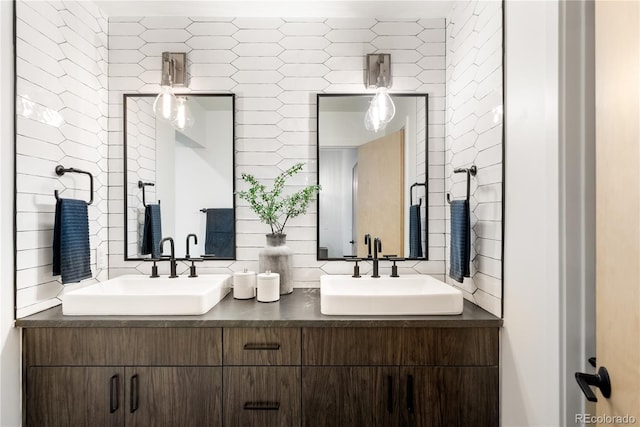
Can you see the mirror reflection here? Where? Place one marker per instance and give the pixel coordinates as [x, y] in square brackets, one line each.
[180, 181]
[373, 182]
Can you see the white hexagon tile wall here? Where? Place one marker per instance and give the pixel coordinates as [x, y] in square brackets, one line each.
[61, 109]
[474, 136]
[70, 88]
[276, 67]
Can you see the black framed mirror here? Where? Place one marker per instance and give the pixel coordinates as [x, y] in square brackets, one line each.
[372, 182]
[186, 176]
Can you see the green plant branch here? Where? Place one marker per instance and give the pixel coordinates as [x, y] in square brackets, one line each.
[271, 205]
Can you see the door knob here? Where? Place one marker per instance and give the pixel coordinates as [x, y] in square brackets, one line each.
[600, 380]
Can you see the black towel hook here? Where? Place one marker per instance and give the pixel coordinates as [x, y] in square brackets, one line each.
[61, 170]
[417, 184]
[470, 172]
[142, 185]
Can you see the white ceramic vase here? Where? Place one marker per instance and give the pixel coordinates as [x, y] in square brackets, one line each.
[276, 257]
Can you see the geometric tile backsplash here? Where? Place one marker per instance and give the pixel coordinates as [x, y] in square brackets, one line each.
[474, 136]
[74, 65]
[276, 67]
[62, 113]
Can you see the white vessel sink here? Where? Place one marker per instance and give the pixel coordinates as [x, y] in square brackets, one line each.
[141, 295]
[404, 295]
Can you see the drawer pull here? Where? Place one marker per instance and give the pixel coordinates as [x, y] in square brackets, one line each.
[262, 346]
[133, 398]
[390, 394]
[114, 389]
[410, 394]
[261, 406]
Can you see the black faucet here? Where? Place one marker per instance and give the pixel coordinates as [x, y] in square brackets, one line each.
[195, 242]
[172, 258]
[367, 241]
[377, 247]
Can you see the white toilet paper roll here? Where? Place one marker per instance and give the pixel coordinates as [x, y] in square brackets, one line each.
[268, 287]
[244, 284]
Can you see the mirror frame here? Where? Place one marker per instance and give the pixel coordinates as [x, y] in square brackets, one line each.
[233, 150]
[426, 162]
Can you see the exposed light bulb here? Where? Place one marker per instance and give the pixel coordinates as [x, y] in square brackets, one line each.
[384, 105]
[372, 120]
[165, 105]
[183, 119]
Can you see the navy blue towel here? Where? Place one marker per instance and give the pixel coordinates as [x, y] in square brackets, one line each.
[460, 240]
[415, 232]
[152, 231]
[71, 254]
[219, 235]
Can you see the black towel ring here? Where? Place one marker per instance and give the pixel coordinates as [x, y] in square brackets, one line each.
[417, 184]
[470, 172]
[61, 170]
[142, 185]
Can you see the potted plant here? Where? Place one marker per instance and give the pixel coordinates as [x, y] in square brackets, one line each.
[275, 208]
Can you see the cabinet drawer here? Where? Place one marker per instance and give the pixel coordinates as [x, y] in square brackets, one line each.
[123, 346]
[261, 396]
[400, 346]
[262, 346]
[351, 346]
[450, 346]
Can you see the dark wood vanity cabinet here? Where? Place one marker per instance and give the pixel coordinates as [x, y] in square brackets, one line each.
[317, 376]
[400, 376]
[123, 376]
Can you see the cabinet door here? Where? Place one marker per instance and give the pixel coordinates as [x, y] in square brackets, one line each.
[261, 396]
[349, 396]
[75, 396]
[449, 396]
[173, 396]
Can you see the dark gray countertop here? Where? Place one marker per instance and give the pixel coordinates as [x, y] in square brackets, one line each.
[299, 309]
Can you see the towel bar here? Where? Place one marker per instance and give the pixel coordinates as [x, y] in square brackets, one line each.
[470, 172]
[142, 185]
[417, 184]
[61, 170]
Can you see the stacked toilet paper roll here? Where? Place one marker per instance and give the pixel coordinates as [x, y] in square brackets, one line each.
[268, 287]
[244, 284]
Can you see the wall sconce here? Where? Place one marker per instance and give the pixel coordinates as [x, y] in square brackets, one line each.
[378, 75]
[173, 74]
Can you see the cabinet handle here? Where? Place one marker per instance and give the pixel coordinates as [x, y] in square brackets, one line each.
[262, 346]
[261, 406]
[410, 394]
[390, 394]
[114, 388]
[133, 398]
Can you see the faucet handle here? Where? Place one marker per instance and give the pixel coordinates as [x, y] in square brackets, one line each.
[356, 267]
[394, 267]
[154, 268]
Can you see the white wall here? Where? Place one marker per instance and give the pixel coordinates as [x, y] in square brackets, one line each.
[9, 337]
[530, 390]
[336, 207]
[206, 167]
